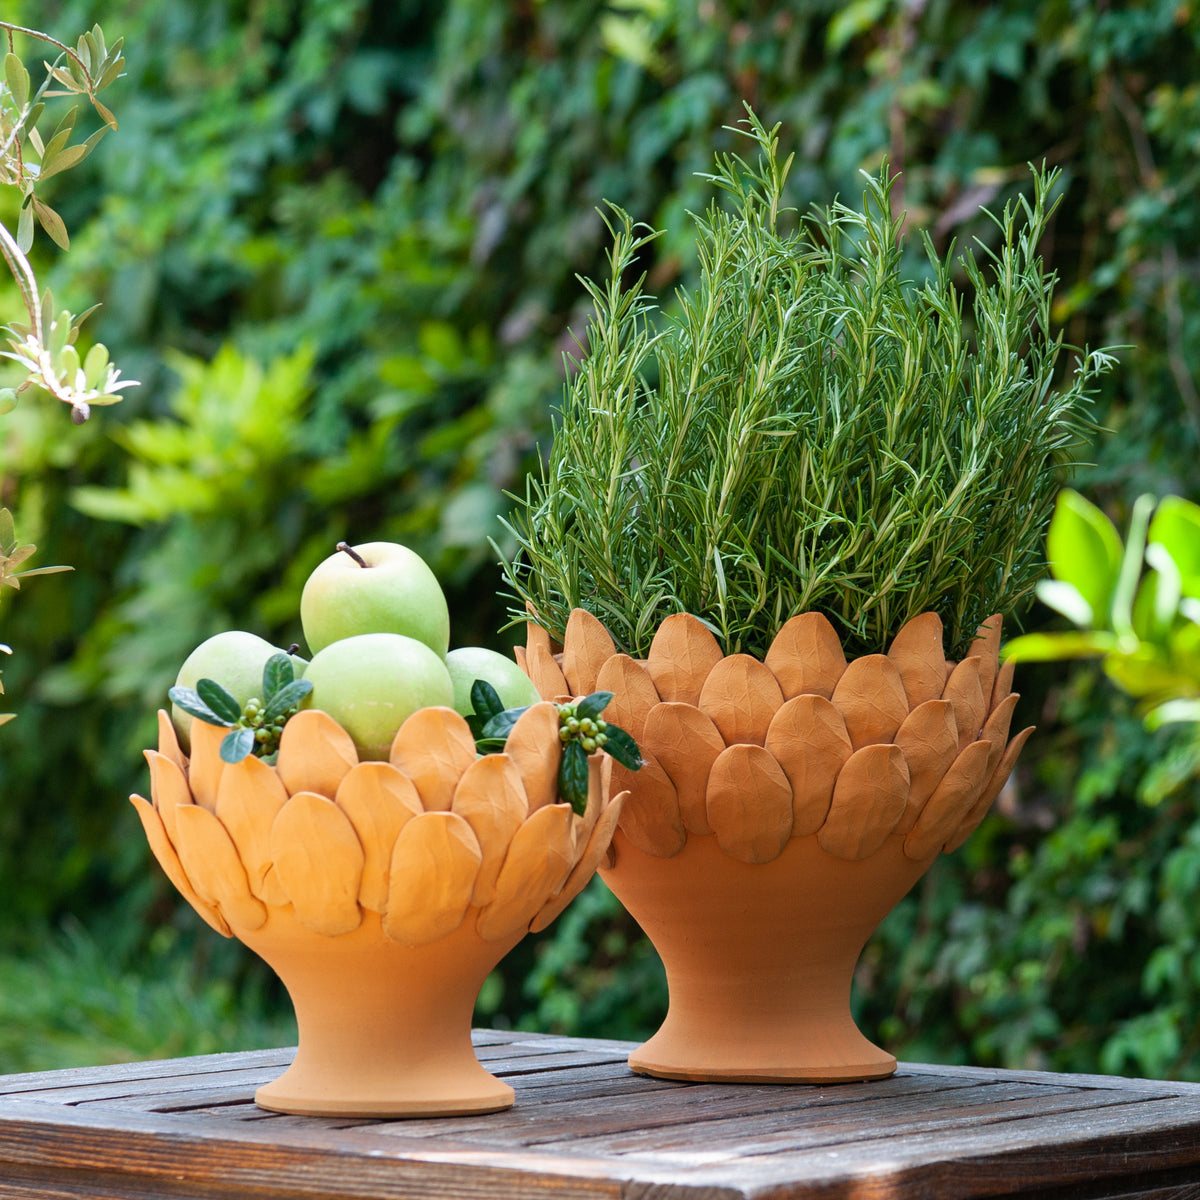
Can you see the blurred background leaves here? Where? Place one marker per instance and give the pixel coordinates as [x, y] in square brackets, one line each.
[337, 241]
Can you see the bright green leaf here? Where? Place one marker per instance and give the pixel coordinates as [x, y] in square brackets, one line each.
[1065, 598]
[1050, 647]
[1084, 549]
[1176, 526]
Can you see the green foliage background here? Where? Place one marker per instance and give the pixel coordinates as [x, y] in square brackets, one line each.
[337, 241]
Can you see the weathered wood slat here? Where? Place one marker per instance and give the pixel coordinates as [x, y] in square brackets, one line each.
[585, 1127]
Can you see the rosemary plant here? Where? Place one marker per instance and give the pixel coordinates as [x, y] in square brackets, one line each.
[809, 431]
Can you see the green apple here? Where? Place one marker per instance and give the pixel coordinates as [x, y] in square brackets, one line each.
[371, 684]
[378, 587]
[469, 663]
[235, 659]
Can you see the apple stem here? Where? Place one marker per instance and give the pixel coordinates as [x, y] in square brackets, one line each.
[293, 648]
[346, 548]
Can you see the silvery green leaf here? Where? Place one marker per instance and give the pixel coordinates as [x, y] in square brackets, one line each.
[25, 228]
[189, 700]
[237, 745]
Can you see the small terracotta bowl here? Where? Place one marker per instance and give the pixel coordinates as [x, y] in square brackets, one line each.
[381, 893]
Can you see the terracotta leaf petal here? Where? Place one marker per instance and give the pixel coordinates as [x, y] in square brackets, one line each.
[749, 804]
[587, 646]
[164, 852]
[319, 861]
[953, 798]
[651, 818]
[681, 655]
[205, 765]
[248, 801]
[1004, 683]
[434, 864]
[868, 801]
[545, 673]
[169, 788]
[433, 748]
[315, 753]
[964, 690]
[686, 743]
[168, 740]
[741, 695]
[920, 658]
[537, 864]
[596, 848]
[537, 635]
[490, 797]
[995, 728]
[211, 862]
[534, 748]
[378, 800]
[986, 647]
[634, 695]
[522, 658]
[929, 739]
[808, 739]
[871, 698]
[992, 789]
[807, 657]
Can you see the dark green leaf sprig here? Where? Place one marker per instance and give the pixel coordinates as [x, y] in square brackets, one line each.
[581, 729]
[255, 726]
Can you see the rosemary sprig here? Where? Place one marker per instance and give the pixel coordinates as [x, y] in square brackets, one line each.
[821, 433]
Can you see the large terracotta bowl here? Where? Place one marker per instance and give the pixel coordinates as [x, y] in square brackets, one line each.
[784, 808]
[381, 893]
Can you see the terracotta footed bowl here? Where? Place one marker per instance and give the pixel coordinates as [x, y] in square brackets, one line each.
[784, 808]
[381, 893]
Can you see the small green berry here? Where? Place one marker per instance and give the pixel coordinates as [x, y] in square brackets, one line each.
[589, 744]
[602, 739]
[564, 735]
[573, 725]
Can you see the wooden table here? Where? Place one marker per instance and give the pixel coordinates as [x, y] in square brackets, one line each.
[584, 1126]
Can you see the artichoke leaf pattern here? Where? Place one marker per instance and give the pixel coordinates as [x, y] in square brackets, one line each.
[463, 838]
[904, 745]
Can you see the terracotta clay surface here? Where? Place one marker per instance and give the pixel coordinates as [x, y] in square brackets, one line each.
[857, 774]
[382, 893]
[764, 998]
[812, 711]
[372, 1043]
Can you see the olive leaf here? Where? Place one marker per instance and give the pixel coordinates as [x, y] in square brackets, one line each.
[592, 706]
[288, 697]
[278, 672]
[220, 701]
[623, 748]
